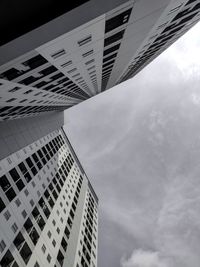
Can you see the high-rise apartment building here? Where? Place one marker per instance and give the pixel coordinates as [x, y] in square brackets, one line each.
[57, 55]
[48, 208]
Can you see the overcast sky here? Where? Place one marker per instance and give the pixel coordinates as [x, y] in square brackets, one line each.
[139, 143]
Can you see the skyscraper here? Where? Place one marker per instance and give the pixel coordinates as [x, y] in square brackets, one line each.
[48, 208]
[79, 50]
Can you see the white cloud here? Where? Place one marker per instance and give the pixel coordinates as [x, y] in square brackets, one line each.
[178, 234]
[141, 258]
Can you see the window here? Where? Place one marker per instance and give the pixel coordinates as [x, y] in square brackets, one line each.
[86, 54]
[7, 259]
[34, 236]
[16, 88]
[54, 222]
[66, 64]
[111, 49]
[72, 70]
[191, 1]
[7, 215]
[26, 192]
[85, 40]
[54, 242]
[2, 245]
[108, 63]
[43, 248]
[14, 174]
[49, 258]
[24, 214]
[36, 264]
[58, 230]
[2, 205]
[60, 258]
[89, 62]
[32, 202]
[64, 244]
[4, 183]
[14, 227]
[11, 100]
[28, 92]
[49, 234]
[58, 53]
[25, 253]
[118, 20]
[114, 38]
[109, 57]
[17, 202]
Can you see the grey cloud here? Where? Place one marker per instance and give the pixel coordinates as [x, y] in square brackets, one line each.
[140, 146]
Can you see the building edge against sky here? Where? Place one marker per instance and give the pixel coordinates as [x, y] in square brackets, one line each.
[79, 49]
[82, 49]
[48, 208]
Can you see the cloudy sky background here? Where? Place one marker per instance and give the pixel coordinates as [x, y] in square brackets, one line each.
[139, 144]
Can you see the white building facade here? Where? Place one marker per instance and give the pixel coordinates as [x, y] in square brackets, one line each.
[48, 208]
[87, 50]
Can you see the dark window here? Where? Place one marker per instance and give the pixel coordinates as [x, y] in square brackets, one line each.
[181, 14]
[35, 213]
[25, 253]
[188, 18]
[2, 205]
[28, 225]
[109, 57]
[114, 38]
[41, 222]
[58, 53]
[71, 214]
[108, 68]
[69, 221]
[64, 244]
[72, 70]
[7, 259]
[29, 162]
[35, 62]
[29, 80]
[4, 183]
[108, 63]
[67, 232]
[190, 2]
[14, 174]
[48, 70]
[111, 49]
[19, 240]
[187, 12]
[36, 264]
[118, 20]
[20, 185]
[10, 194]
[86, 54]
[104, 74]
[85, 40]
[11, 74]
[34, 236]
[60, 258]
[66, 64]
[89, 62]
[39, 85]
